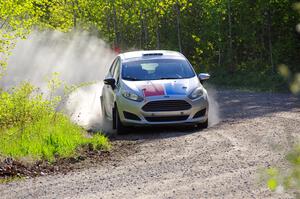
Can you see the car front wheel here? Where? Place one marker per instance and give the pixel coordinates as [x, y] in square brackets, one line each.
[117, 124]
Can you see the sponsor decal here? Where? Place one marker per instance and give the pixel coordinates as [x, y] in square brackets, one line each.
[175, 89]
[153, 90]
[169, 89]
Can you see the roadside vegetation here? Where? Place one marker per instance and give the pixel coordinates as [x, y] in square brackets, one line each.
[32, 127]
[250, 80]
[286, 180]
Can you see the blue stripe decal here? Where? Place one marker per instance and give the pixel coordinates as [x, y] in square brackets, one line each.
[175, 89]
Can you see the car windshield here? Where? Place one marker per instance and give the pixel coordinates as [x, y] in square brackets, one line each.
[142, 70]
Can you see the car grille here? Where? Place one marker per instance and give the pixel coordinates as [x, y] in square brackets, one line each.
[167, 119]
[167, 105]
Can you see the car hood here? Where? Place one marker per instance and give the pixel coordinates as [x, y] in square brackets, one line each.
[156, 88]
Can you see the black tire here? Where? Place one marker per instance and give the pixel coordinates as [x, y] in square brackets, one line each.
[203, 125]
[117, 124]
[105, 127]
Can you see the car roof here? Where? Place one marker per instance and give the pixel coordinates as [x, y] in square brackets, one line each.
[150, 54]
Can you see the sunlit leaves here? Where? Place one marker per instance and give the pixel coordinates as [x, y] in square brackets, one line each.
[284, 71]
[273, 178]
[295, 85]
[293, 79]
[16, 20]
[290, 179]
[272, 184]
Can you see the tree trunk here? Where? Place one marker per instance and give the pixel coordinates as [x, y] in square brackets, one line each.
[108, 25]
[157, 36]
[116, 39]
[142, 28]
[120, 44]
[230, 51]
[178, 27]
[219, 43]
[270, 41]
[74, 4]
[145, 33]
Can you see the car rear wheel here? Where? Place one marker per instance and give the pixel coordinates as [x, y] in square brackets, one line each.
[117, 124]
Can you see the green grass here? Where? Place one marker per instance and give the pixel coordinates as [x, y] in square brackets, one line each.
[47, 139]
[31, 128]
[10, 179]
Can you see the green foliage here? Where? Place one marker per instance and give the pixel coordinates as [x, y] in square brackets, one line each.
[47, 139]
[19, 106]
[16, 19]
[292, 79]
[290, 179]
[272, 181]
[31, 127]
[216, 35]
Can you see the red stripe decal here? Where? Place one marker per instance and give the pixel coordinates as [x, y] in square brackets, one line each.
[153, 90]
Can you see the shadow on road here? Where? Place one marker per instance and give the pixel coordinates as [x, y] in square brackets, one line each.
[247, 105]
[153, 133]
[233, 105]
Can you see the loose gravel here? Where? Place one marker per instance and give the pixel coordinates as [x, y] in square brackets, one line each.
[224, 161]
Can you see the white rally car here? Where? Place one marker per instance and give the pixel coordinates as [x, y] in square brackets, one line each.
[154, 88]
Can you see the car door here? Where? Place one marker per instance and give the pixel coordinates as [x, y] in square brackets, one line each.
[106, 91]
[109, 91]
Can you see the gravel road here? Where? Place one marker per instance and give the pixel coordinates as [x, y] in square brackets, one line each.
[224, 161]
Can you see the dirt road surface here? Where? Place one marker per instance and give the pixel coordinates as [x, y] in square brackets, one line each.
[224, 161]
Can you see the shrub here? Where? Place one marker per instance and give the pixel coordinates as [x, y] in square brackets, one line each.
[31, 127]
[20, 106]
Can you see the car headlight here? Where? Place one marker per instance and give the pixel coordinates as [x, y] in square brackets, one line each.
[132, 96]
[198, 92]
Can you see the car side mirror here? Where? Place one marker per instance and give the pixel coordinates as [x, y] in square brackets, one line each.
[110, 81]
[203, 77]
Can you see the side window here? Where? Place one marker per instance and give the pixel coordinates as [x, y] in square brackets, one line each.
[113, 66]
[116, 72]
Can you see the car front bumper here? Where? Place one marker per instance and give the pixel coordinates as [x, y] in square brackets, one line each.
[181, 117]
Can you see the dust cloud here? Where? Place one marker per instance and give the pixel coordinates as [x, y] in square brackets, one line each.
[213, 114]
[77, 57]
